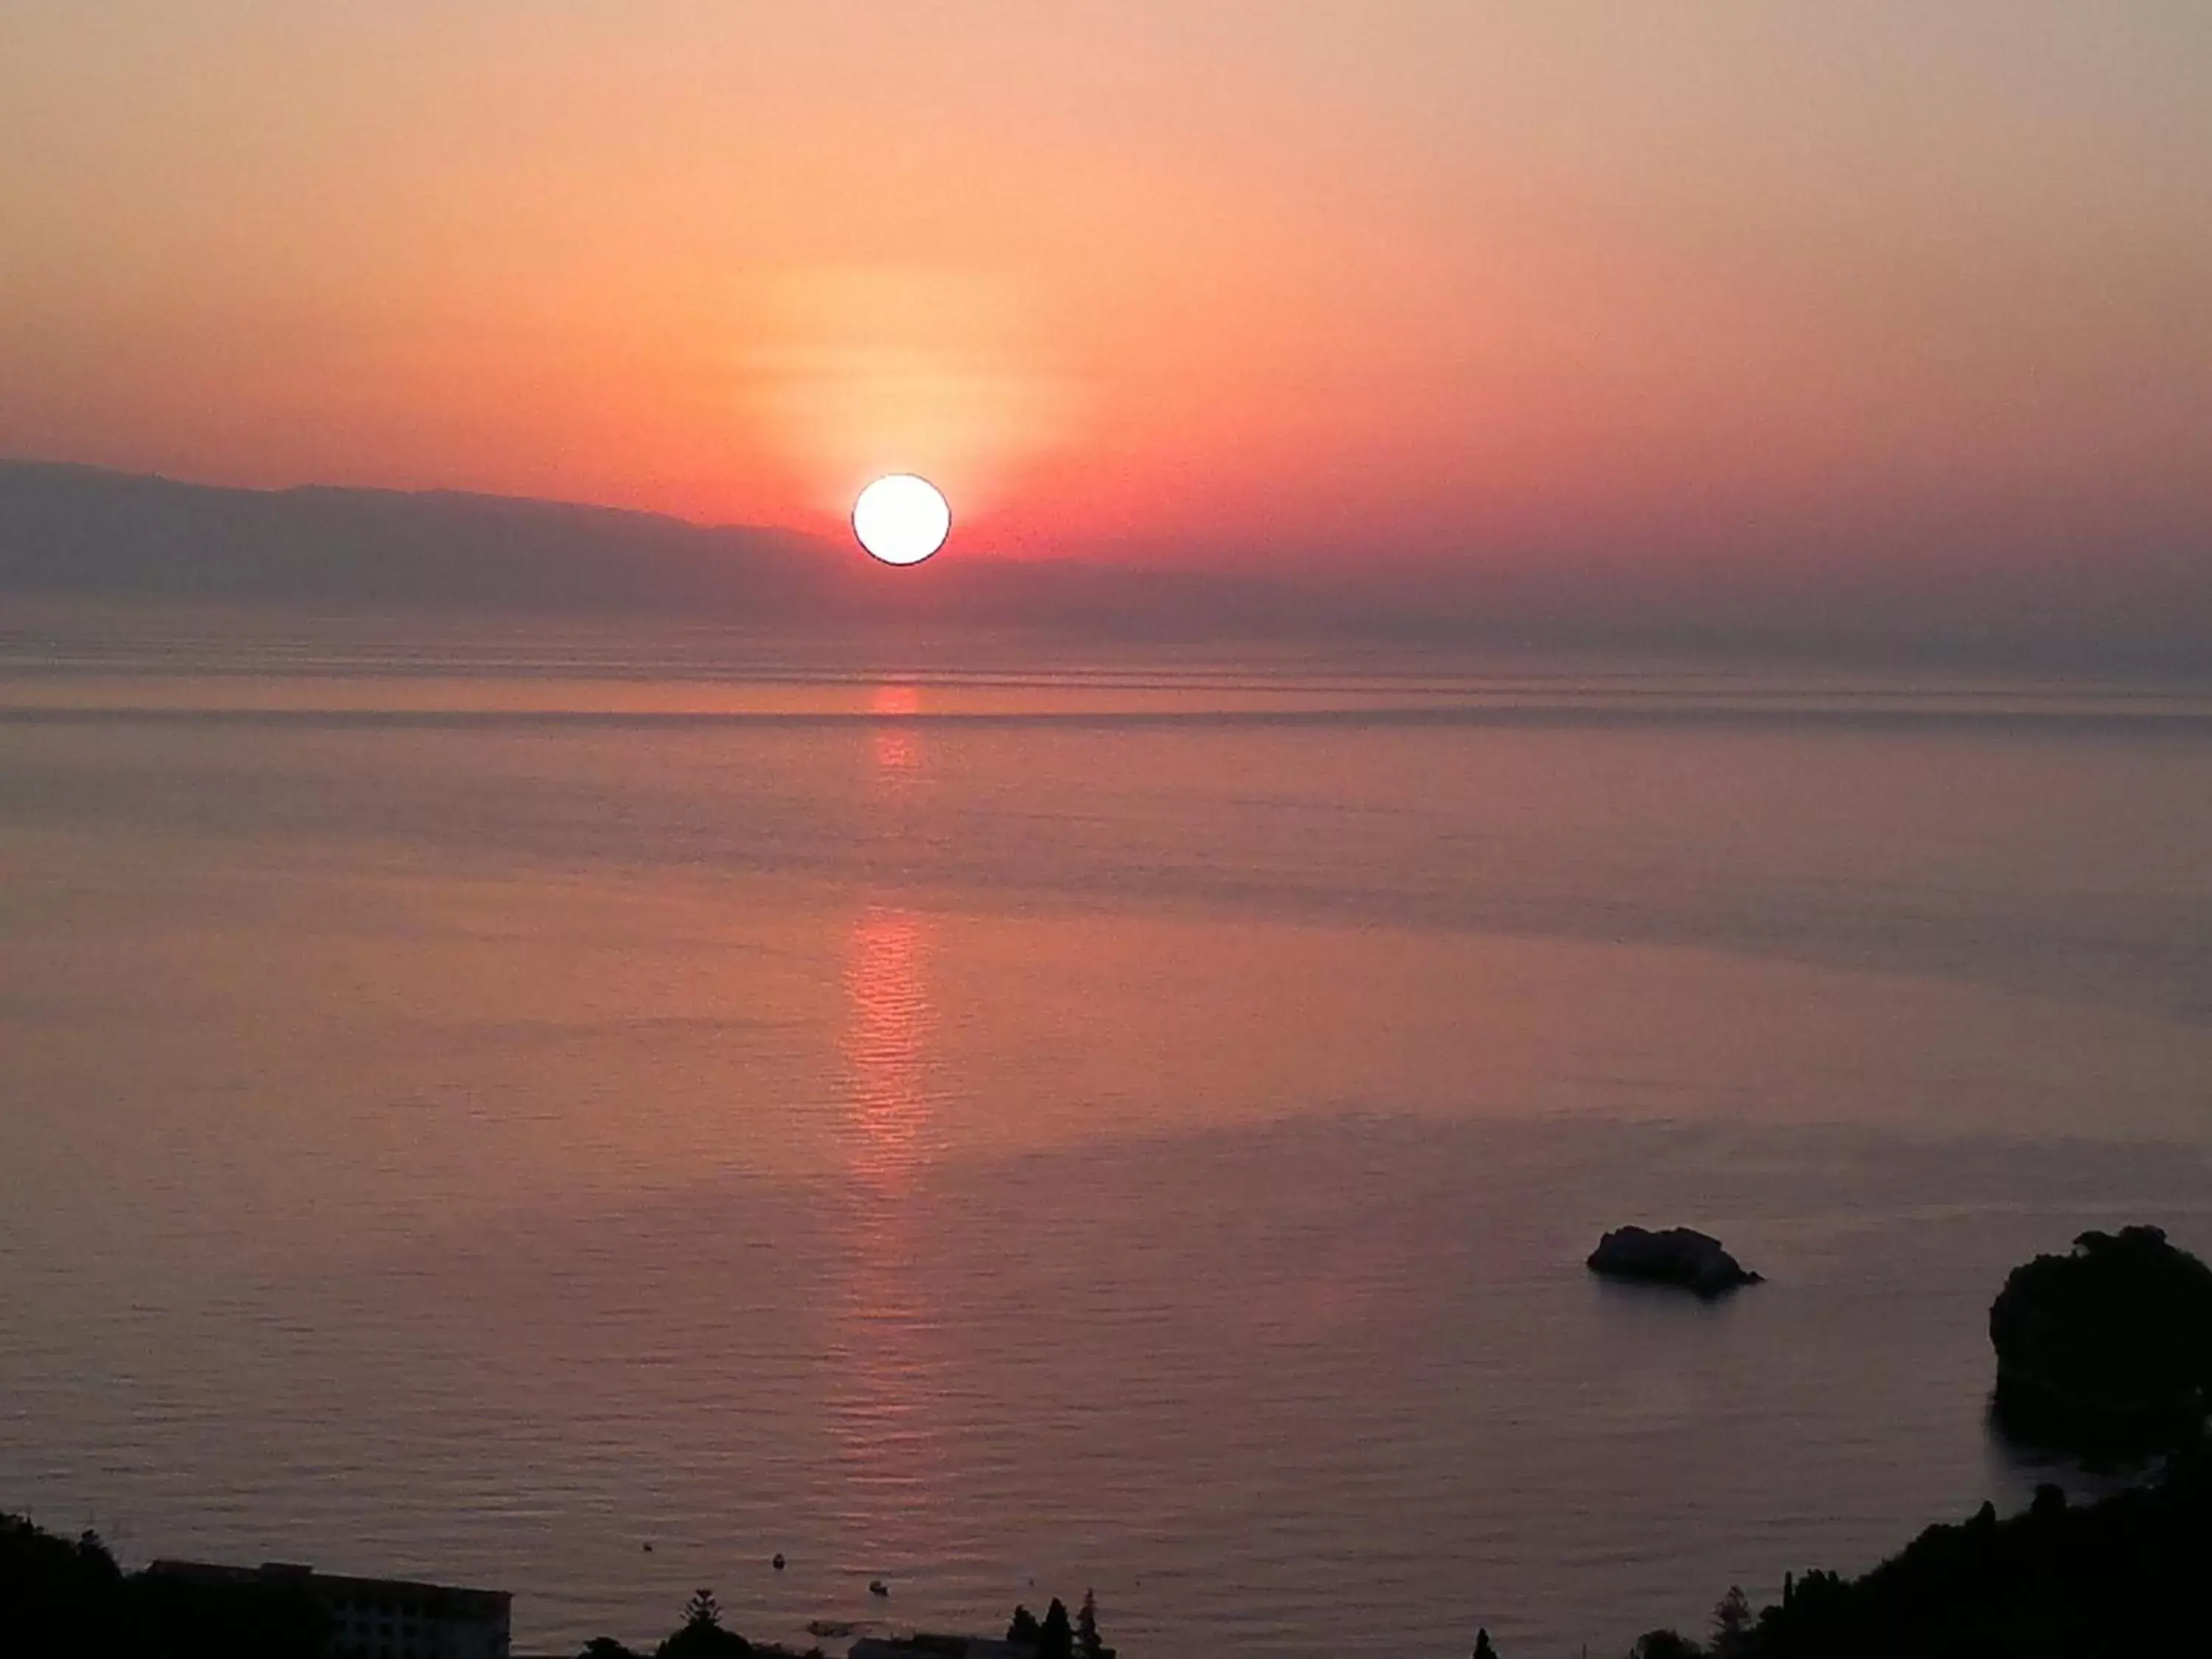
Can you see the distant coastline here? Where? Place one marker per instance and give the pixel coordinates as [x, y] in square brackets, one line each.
[72, 531]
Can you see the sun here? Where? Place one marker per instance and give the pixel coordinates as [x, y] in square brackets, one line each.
[901, 519]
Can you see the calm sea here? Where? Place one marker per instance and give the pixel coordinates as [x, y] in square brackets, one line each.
[480, 1104]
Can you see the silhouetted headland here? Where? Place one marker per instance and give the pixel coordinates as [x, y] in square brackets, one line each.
[2107, 1351]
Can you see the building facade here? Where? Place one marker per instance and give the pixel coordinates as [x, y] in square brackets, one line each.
[380, 1618]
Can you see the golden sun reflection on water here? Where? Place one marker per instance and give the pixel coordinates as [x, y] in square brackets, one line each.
[886, 1063]
[897, 745]
[888, 1350]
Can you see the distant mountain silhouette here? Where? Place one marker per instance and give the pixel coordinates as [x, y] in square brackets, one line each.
[75, 533]
[80, 532]
[83, 531]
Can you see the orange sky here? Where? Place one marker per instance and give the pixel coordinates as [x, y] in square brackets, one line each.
[1181, 278]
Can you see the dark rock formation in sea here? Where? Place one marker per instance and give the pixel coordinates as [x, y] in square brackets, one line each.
[1679, 1255]
[2106, 1351]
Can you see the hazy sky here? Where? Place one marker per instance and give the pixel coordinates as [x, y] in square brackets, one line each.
[1196, 278]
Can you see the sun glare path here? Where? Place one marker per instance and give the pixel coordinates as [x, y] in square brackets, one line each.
[898, 747]
[886, 1400]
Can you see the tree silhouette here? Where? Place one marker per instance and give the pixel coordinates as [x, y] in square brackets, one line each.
[1086, 1629]
[1732, 1622]
[1482, 1648]
[1024, 1630]
[1056, 1638]
[703, 1636]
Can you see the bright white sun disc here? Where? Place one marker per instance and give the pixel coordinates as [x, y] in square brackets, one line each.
[901, 519]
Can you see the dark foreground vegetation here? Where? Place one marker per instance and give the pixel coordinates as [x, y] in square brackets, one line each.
[1055, 1636]
[2126, 1577]
[67, 1599]
[61, 1599]
[2130, 1575]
